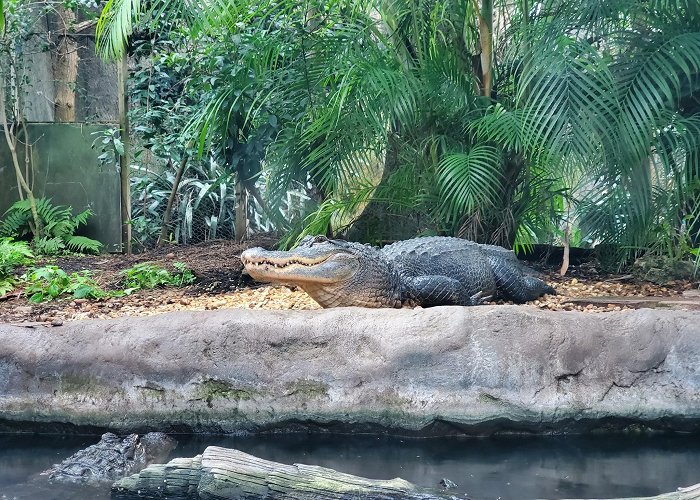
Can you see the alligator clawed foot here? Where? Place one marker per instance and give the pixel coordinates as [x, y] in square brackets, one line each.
[478, 298]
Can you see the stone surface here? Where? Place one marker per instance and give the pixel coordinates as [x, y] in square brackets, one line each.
[444, 370]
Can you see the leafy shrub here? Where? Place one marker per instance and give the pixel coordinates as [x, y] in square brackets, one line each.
[203, 209]
[6, 285]
[149, 275]
[12, 254]
[50, 282]
[59, 223]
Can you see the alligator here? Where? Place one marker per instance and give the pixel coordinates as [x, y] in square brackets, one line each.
[113, 458]
[428, 271]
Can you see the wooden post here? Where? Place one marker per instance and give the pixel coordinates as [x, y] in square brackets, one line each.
[65, 66]
[123, 106]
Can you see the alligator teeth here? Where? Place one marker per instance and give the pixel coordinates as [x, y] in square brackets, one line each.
[280, 265]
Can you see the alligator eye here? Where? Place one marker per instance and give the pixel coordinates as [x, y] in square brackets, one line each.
[320, 239]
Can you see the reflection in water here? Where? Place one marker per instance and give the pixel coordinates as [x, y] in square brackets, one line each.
[509, 468]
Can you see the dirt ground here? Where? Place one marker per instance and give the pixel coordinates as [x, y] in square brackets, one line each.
[220, 284]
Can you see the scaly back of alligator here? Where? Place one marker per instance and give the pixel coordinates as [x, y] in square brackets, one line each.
[488, 269]
[451, 263]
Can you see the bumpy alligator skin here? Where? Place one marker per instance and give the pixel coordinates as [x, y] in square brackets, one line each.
[418, 272]
[113, 457]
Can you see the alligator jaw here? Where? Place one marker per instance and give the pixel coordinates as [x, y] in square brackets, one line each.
[296, 268]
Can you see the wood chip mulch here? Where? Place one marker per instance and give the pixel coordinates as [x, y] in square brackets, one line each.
[221, 285]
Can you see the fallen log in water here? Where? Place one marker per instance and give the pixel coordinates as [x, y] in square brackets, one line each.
[223, 473]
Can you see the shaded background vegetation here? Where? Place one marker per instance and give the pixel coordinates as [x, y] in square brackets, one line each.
[504, 122]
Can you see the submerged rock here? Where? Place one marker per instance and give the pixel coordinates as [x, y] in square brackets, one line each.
[113, 457]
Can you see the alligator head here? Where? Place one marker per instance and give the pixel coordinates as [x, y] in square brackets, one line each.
[335, 273]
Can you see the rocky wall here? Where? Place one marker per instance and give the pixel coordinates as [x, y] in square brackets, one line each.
[444, 370]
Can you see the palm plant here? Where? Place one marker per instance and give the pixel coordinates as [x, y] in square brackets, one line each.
[599, 91]
[473, 112]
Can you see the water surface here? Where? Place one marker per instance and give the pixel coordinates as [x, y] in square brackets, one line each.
[516, 468]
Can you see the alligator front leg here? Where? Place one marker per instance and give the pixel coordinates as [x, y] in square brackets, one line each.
[514, 285]
[479, 298]
[438, 290]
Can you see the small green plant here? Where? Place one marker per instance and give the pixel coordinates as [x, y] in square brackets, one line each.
[183, 276]
[149, 275]
[59, 227]
[12, 254]
[110, 146]
[50, 282]
[6, 285]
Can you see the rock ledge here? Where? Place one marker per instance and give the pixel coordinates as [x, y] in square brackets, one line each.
[438, 371]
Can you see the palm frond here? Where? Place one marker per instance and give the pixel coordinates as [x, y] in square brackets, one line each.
[650, 83]
[569, 98]
[469, 180]
[115, 25]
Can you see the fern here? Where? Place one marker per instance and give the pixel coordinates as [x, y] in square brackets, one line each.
[16, 222]
[83, 244]
[6, 285]
[49, 246]
[82, 218]
[59, 229]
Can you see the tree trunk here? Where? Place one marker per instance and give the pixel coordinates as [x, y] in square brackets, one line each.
[565, 259]
[65, 67]
[485, 15]
[223, 473]
[241, 211]
[567, 243]
[171, 199]
[37, 227]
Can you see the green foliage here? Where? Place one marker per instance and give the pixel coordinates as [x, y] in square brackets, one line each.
[171, 83]
[59, 228]
[593, 111]
[110, 146]
[147, 275]
[118, 24]
[469, 180]
[7, 284]
[12, 255]
[204, 208]
[50, 282]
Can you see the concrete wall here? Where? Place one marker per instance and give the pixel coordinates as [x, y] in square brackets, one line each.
[96, 85]
[68, 171]
[66, 166]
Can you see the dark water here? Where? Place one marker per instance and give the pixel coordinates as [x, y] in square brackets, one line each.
[507, 468]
